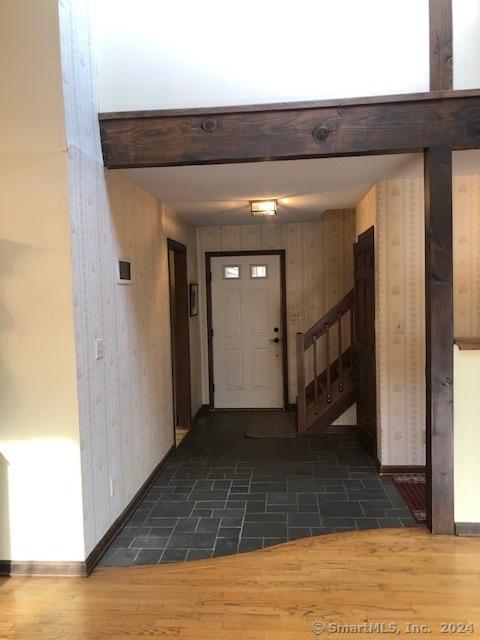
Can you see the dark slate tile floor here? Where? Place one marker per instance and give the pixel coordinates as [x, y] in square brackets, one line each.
[222, 493]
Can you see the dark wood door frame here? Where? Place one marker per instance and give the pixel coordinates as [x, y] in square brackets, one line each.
[283, 301]
[180, 340]
[364, 352]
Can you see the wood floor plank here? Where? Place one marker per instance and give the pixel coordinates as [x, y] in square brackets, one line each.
[392, 576]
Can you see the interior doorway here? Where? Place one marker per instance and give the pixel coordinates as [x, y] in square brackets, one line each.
[180, 339]
[364, 335]
[247, 330]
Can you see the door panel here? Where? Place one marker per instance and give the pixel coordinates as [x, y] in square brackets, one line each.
[246, 310]
[233, 316]
[234, 369]
[364, 282]
[259, 311]
[260, 368]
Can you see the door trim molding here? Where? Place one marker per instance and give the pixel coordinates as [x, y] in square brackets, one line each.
[283, 312]
[369, 440]
[180, 250]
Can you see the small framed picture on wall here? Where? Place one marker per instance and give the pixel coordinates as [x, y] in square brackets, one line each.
[193, 299]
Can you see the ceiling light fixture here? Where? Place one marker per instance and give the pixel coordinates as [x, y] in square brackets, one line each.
[263, 207]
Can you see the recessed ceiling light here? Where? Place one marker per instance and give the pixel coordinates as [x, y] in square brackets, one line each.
[263, 207]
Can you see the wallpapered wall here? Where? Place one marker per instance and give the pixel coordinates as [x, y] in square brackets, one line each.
[396, 209]
[318, 270]
[466, 255]
[125, 399]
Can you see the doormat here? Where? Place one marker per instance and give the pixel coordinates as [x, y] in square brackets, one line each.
[412, 488]
[272, 424]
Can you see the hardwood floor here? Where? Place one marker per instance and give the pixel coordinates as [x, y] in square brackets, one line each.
[390, 576]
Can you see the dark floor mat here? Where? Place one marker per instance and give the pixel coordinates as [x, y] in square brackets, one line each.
[272, 424]
[412, 488]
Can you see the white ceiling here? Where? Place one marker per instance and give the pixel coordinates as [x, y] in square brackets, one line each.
[220, 194]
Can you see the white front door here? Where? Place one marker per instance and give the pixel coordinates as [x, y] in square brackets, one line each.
[247, 332]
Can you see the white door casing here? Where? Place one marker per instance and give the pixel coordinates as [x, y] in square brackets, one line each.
[246, 320]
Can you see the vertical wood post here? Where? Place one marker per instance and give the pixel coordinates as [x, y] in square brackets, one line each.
[301, 390]
[441, 48]
[439, 338]
[327, 358]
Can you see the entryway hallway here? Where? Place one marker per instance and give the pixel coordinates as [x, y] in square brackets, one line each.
[222, 493]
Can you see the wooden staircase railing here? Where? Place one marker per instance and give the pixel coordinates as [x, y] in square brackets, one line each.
[322, 394]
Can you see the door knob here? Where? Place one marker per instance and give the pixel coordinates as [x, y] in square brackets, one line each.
[275, 340]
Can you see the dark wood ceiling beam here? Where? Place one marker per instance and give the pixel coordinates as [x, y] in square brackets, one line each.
[392, 124]
[441, 45]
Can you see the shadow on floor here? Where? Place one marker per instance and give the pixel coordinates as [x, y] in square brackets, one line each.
[222, 493]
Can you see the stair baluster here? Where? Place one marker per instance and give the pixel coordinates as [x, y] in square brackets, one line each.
[321, 400]
[340, 352]
[327, 358]
[315, 375]
[352, 326]
[352, 339]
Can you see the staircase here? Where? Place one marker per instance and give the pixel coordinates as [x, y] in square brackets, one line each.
[325, 381]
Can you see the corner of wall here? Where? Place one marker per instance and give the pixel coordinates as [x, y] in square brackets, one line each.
[40, 440]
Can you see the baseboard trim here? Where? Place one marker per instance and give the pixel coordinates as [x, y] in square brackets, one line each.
[348, 429]
[390, 470]
[82, 569]
[467, 528]
[202, 409]
[100, 548]
[38, 568]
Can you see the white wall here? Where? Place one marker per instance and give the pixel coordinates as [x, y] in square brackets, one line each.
[466, 44]
[40, 481]
[467, 435]
[155, 55]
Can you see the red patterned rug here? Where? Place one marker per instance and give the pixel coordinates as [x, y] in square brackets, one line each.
[412, 488]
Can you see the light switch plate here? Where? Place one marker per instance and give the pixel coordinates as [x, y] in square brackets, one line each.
[99, 349]
[295, 315]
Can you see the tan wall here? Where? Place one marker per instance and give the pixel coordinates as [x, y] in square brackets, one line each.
[466, 254]
[40, 480]
[318, 270]
[366, 212]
